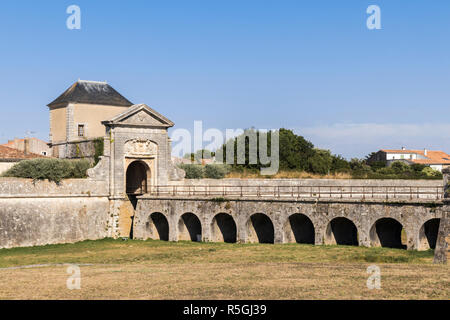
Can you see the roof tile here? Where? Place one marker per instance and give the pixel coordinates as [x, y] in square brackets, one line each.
[16, 155]
[92, 92]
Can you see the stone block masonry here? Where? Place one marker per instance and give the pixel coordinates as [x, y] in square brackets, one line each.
[42, 212]
[442, 252]
[369, 223]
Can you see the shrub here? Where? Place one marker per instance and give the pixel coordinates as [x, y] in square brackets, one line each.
[193, 171]
[400, 167]
[99, 149]
[418, 167]
[49, 169]
[377, 165]
[216, 171]
[430, 172]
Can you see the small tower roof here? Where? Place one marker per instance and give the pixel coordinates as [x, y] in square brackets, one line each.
[92, 92]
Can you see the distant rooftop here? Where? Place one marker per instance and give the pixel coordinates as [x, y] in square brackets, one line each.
[92, 92]
[432, 156]
[12, 155]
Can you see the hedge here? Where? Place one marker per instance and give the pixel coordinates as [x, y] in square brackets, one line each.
[211, 171]
[193, 171]
[216, 171]
[49, 169]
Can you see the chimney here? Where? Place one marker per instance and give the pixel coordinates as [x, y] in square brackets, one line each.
[26, 146]
[425, 151]
[403, 148]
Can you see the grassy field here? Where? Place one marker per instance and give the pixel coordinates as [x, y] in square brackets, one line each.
[116, 269]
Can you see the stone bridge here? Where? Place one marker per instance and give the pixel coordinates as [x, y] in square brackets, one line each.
[368, 213]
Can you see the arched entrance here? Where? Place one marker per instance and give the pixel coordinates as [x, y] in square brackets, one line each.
[138, 174]
[223, 228]
[388, 232]
[428, 234]
[158, 227]
[299, 229]
[341, 231]
[260, 229]
[189, 228]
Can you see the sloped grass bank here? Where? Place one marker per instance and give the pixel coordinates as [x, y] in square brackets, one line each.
[117, 251]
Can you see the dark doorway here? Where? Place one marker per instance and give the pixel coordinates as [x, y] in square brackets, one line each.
[430, 231]
[389, 233]
[224, 228]
[189, 227]
[302, 229]
[137, 178]
[342, 231]
[161, 226]
[263, 227]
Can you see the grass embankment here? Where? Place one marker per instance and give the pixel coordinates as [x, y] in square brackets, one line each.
[110, 251]
[187, 270]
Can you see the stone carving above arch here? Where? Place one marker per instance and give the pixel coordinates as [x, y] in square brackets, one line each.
[140, 147]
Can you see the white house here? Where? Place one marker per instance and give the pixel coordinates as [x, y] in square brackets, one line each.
[437, 160]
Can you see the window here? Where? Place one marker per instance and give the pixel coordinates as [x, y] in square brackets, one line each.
[44, 153]
[81, 130]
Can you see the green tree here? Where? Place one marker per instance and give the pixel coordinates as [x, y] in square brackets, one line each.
[295, 152]
[339, 164]
[320, 162]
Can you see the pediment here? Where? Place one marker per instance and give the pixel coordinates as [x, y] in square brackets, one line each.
[140, 115]
[143, 117]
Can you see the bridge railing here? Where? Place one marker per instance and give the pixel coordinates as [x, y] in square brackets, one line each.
[285, 192]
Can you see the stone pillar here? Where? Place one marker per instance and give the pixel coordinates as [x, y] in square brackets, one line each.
[319, 238]
[442, 251]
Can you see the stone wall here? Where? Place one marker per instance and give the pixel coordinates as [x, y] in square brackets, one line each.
[367, 223]
[5, 166]
[43, 212]
[442, 252]
[308, 182]
[84, 149]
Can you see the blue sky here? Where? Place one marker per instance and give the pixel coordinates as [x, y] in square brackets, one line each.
[312, 66]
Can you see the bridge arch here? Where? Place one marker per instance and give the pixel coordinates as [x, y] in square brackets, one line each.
[137, 177]
[223, 228]
[299, 229]
[428, 234]
[157, 226]
[260, 229]
[189, 227]
[387, 232]
[341, 231]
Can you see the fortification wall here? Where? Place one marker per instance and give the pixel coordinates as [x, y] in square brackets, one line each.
[42, 212]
